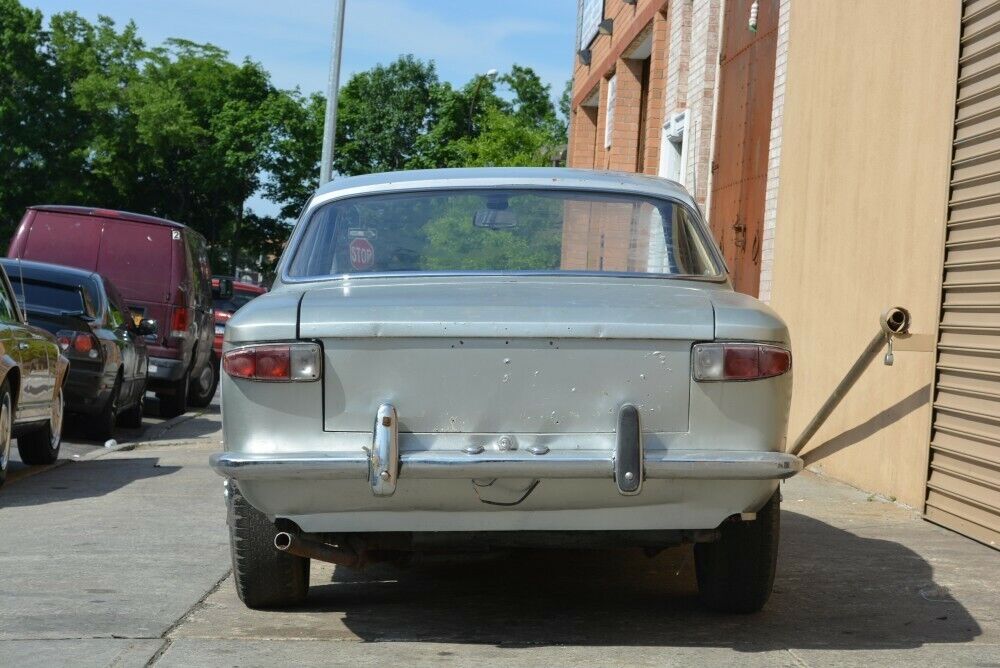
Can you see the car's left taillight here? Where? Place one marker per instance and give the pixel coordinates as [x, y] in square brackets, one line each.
[78, 344]
[739, 361]
[274, 362]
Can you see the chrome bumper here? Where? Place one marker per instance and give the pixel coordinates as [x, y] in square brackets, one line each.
[437, 464]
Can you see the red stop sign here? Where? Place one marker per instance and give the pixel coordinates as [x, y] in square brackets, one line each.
[362, 254]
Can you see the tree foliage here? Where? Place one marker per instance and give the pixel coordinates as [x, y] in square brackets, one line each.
[92, 115]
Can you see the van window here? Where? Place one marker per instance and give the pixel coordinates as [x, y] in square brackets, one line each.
[137, 258]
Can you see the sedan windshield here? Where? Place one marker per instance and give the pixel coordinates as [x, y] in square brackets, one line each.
[503, 231]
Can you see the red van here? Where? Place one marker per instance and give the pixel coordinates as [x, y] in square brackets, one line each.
[161, 269]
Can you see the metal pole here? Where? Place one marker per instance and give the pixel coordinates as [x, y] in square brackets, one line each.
[892, 322]
[332, 91]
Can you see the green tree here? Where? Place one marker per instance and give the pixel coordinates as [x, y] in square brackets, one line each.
[381, 114]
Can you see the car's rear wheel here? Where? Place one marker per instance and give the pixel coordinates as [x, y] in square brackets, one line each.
[131, 418]
[265, 577]
[175, 403]
[41, 446]
[103, 425]
[736, 573]
[6, 421]
[204, 384]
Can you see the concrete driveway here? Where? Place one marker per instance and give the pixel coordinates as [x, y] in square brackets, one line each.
[123, 560]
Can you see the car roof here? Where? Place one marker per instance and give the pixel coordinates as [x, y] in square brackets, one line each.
[47, 271]
[493, 177]
[106, 213]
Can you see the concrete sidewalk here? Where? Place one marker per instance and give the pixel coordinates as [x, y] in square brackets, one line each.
[118, 561]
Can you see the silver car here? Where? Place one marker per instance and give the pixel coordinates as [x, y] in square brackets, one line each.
[497, 358]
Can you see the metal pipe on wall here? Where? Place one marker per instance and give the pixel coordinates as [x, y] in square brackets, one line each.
[892, 322]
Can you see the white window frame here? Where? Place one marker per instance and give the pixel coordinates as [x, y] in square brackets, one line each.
[609, 110]
[674, 144]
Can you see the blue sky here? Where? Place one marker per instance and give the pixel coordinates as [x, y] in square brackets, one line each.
[292, 38]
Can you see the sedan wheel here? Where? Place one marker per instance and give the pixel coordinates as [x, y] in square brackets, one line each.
[41, 446]
[6, 417]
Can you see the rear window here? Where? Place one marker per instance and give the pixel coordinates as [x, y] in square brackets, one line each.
[498, 230]
[64, 298]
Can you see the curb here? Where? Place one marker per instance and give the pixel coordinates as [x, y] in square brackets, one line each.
[157, 432]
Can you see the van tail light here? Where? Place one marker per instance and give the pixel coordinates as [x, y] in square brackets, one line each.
[275, 362]
[78, 344]
[739, 361]
[179, 321]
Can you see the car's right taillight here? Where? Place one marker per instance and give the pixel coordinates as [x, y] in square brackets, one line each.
[739, 361]
[274, 362]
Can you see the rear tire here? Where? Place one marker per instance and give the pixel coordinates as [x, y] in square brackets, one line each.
[203, 386]
[103, 425]
[41, 446]
[174, 404]
[264, 577]
[131, 418]
[736, 573]
[6, 422]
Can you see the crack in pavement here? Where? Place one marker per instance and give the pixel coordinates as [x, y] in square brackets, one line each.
[167, 641]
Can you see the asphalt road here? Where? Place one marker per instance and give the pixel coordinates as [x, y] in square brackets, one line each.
[121, 558]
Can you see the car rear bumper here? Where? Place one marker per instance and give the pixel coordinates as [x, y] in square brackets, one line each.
[164, 371]
[579, 464]
[86, 391]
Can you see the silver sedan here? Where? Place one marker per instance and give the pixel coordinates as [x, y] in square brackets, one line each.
[503, 357]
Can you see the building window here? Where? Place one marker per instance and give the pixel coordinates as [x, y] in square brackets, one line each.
[609, 110]
[674, 148]
[590, 13]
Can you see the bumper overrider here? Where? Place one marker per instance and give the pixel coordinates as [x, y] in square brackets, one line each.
[627, 464]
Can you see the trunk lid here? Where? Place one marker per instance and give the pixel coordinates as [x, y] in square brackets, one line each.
[505, 355]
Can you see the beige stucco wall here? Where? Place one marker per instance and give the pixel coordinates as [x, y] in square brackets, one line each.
[868, 108]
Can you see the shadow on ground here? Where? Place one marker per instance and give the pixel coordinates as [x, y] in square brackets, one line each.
[84, 479]
[834, 590]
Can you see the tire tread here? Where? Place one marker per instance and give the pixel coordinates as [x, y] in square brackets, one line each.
[264, 577]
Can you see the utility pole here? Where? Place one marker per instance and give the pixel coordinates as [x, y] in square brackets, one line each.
[332, 92]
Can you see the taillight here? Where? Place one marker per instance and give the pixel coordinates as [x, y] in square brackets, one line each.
[179, 321]
[274, 362]
[739, 361]
[78, 344]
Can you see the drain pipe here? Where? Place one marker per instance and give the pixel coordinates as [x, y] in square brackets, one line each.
[893, 322]
[301, 546]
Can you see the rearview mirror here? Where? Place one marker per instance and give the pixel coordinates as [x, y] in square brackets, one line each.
[495, 219]
[224, 290]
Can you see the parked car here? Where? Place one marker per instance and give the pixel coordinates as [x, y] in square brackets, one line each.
[497, 357]
[104, 341]
[32, 374]
[162, 270]
[228, 297]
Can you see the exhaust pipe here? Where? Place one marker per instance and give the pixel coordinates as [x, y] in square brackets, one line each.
[893, 322]
[314, 549]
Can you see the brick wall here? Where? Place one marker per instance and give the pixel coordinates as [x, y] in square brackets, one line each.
[701, 87]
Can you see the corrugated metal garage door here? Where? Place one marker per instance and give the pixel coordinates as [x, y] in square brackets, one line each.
[963, 484]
